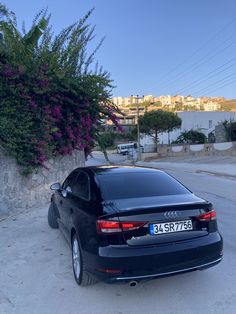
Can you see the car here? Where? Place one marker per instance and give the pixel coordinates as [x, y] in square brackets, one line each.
[128, 148]
[127, 224]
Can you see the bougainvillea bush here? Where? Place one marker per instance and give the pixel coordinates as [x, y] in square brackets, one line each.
[51, 102]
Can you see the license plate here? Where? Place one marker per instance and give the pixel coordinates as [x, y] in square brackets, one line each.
[168, 227]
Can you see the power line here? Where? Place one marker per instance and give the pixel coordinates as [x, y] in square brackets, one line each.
[220, 87]
[199, 49]
[208, 75]
[204, 59]
[222, 80]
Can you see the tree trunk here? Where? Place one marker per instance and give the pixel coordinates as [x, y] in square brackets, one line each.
[155, 141]
[106, 155]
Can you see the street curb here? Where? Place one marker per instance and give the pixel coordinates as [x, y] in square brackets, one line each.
[219, 174]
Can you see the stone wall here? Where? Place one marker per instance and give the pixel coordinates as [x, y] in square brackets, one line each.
[19, 192]
[220, 133]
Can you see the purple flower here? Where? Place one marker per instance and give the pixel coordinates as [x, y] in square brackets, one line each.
[48, 137]
[33, 104]
[43, 83]
[56, 112]
[57, 135]
[70, 133]
[88, 138]
[120, 128]
[66, 150]
[42, 143]
[88, 121]
[47, 110]
[7, 71]
[42, 159]
[44, 67]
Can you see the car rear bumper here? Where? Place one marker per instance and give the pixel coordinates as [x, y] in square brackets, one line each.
[170, 273]
[142, 263]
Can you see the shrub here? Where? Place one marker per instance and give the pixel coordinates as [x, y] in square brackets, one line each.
[191, 137]
[51, 102]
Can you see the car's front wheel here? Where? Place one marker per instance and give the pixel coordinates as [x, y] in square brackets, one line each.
[82, 277]
[52, 218]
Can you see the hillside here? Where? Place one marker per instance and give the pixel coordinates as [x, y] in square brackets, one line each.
[229, 105]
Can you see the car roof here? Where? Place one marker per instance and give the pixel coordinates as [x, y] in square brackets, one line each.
[106, 170]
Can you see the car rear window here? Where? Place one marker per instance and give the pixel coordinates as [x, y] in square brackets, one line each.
[132, 185]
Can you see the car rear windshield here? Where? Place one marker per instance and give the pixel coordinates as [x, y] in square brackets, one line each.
[132, 185]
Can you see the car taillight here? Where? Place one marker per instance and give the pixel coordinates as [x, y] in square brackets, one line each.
[108, 226]
[207, 216]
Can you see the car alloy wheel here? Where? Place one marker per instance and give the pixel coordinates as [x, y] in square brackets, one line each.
[76, 258]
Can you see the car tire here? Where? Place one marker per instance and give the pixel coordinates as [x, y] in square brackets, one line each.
[82, 277]
[52, 218]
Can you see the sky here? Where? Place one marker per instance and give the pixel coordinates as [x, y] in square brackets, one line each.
[157, 47]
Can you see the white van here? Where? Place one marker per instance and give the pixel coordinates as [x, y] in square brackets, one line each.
[126, 148]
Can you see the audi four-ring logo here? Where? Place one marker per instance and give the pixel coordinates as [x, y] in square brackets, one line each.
[172, 214]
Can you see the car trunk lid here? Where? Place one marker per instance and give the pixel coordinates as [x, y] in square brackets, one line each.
[157, 210]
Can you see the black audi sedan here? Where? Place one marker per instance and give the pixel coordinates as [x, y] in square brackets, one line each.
[126, 224]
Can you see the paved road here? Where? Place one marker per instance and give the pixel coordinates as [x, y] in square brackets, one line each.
[36, 275]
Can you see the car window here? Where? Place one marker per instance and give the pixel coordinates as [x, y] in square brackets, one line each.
[81, 186]
[129, 185]
[69, 180]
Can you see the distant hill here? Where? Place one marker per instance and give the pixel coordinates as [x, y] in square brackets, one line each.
[229, 105]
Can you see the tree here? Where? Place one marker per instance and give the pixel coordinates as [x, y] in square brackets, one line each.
[230, 129]
[105, 140]
[191, 137]
[154, 122]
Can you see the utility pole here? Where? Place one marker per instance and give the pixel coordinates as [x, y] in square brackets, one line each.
[138, 128]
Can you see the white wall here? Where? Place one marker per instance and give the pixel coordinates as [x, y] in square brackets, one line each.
[196, 120]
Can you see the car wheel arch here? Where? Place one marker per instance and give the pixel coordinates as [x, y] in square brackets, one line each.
[57, 213]
[74, 231]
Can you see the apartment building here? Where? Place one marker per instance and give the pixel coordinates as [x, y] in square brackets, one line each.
[165, 100]
[211, 106]
[126, 101]
[177, 99]
[132, 104]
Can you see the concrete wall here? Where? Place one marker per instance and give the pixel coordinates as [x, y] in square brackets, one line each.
[217, 149]
[19, 192]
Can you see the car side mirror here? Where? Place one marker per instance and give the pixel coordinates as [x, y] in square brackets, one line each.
[55, 186]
